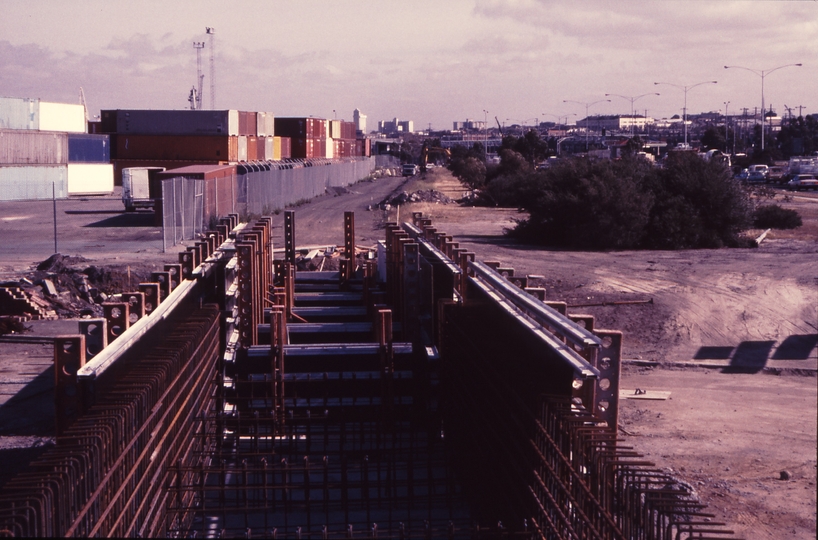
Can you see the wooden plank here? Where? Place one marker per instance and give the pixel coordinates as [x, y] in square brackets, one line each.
[640, 393]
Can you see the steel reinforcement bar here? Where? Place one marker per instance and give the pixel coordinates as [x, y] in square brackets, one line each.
[469, 407]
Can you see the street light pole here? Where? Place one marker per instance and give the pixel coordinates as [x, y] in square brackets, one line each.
[685, 89]
[486, 128]
[587, 106]
[762, 74]
[726, 130]
[632, 100]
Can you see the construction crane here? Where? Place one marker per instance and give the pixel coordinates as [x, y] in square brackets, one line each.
[195, 97]
[84, 105]
[212, 33]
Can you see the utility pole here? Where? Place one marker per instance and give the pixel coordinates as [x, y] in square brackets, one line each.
[197, 101]
[762, 74]
[212, 33]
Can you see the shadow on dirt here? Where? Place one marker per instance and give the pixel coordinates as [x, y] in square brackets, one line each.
[752, 356]
[796, 347]
[82, 212]
[132, 219]
[31, 410]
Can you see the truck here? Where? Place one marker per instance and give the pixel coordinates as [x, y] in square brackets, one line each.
[410, 169]
[140, 187]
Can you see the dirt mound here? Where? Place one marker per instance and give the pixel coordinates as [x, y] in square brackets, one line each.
[58, 262]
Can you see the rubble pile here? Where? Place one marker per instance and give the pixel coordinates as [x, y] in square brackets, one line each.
[60, 287]
[421, 195]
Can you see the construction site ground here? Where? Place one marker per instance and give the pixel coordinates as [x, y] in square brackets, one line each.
[725, 340]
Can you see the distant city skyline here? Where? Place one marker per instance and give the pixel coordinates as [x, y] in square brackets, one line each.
[429, 62]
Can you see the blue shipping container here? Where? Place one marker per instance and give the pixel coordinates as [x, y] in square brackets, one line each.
[88, 148]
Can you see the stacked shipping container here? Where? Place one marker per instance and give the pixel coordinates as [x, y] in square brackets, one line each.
[186, 137]
[45, 152]
[318, 138]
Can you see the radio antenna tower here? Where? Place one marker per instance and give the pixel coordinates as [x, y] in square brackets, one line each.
[212, 33]
[196, 94]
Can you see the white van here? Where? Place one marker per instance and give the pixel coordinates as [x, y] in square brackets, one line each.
[136, 187]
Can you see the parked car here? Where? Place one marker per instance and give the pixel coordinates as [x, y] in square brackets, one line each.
[776, 175]
[757, 176]
[743, 174]
[803, 182]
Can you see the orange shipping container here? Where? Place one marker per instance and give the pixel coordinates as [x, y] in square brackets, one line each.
[286, 148]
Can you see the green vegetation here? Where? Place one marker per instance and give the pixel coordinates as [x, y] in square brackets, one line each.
[627, 204]
[772, 216]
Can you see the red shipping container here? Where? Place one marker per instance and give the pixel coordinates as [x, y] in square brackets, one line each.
[212, 148]
[248, 123]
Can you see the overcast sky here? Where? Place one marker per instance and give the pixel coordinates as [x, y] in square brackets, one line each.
[430, 61]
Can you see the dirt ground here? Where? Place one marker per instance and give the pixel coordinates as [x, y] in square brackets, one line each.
[750, 315]
[729, 333]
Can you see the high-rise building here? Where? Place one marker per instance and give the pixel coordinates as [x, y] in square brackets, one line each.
[396, 126]
[360, 121]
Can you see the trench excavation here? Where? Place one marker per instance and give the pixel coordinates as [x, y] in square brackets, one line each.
[415, 392]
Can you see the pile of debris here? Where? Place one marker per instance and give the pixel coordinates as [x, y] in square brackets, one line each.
[421, 195]
[60, 287]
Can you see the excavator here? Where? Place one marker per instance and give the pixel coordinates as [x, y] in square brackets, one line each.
[428, 151]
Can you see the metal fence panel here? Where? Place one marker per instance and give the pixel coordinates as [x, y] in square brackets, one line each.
[189, 205]
[182, 210]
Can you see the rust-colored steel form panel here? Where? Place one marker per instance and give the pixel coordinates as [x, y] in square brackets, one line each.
[118, 317]
[136, 306]
[152, 296]
[163, 279]
[289, 236]
[96, 336]
[69, 357]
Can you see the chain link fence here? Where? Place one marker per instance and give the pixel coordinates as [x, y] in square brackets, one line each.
[182, 210]
[190, 205]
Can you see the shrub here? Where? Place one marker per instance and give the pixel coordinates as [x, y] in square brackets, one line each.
[585, 204]
[772, 216]
[628, 204]
[697, 204]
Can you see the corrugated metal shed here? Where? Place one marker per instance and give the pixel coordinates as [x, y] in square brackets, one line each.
[19, 183]
[205, 172]
[22, 147]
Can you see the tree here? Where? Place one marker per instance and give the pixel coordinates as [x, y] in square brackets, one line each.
[713, 139]
[798, 137]
[696, 204]
[585, 204]
[467, 164]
